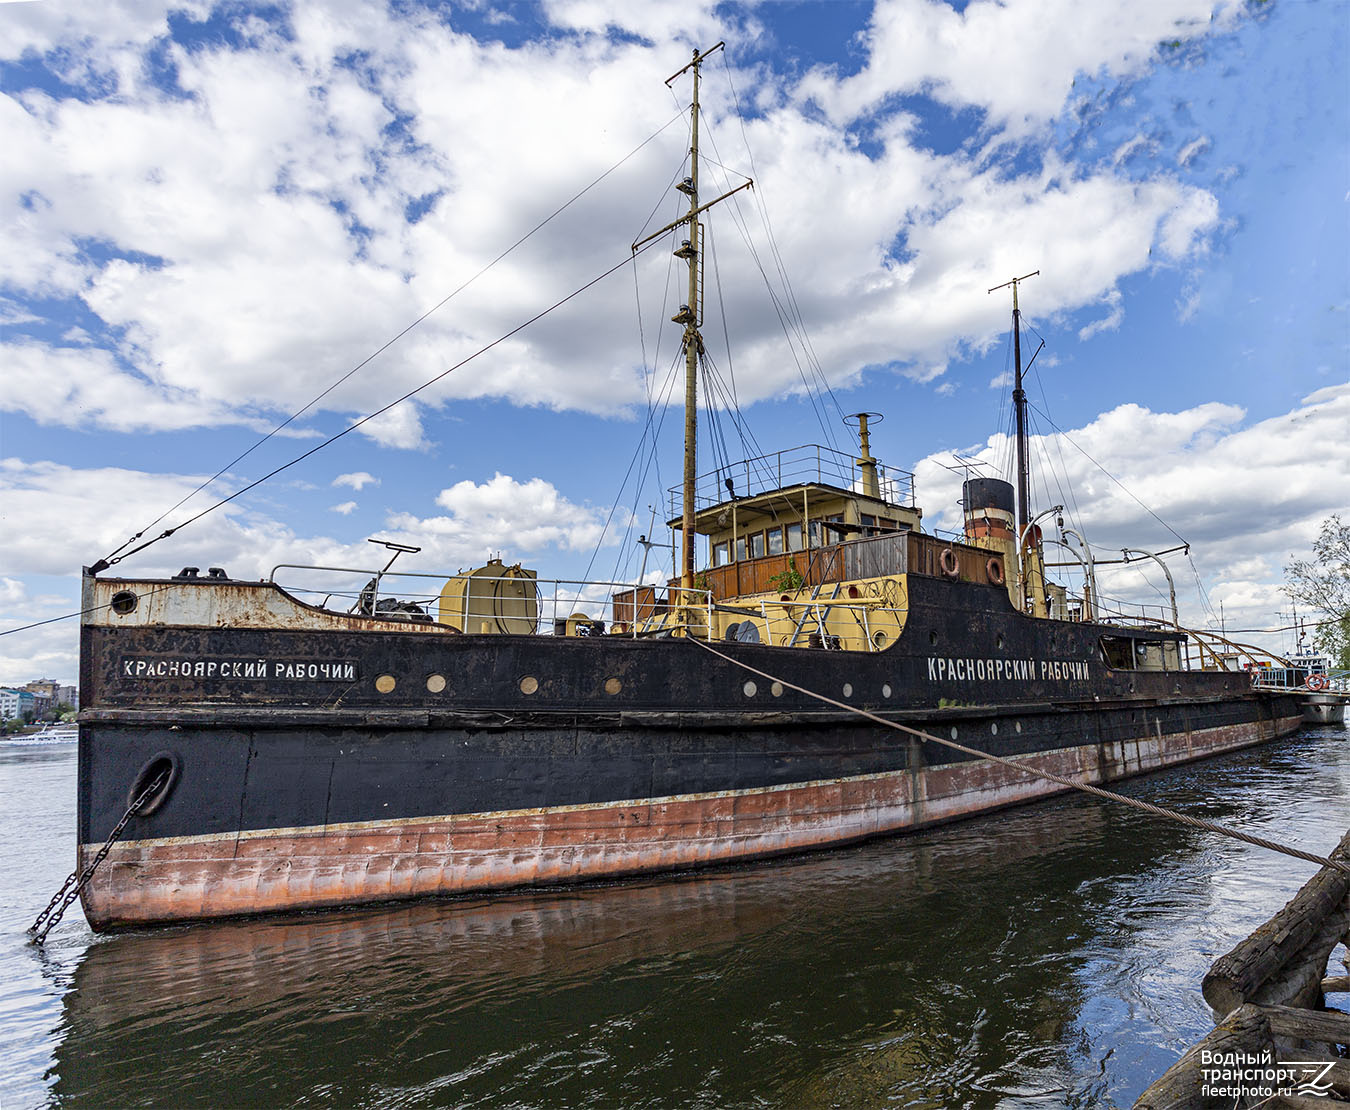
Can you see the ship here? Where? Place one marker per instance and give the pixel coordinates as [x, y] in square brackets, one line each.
[832, 673]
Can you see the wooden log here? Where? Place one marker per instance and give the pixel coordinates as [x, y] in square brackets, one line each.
[1245, 1031]
[1336, 984]
[1301, 935]
[1330, 1026]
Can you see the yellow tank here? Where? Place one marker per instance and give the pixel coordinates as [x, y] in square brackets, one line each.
[493, 599]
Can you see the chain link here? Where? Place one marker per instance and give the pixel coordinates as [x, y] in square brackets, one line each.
[77, 880]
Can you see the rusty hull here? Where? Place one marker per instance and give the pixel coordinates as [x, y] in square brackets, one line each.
[262, 871]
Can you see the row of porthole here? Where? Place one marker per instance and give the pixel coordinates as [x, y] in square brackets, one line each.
[750, 689]
[993, 729]
[385, 684]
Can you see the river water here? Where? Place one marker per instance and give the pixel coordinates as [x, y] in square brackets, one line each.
[1045, 956]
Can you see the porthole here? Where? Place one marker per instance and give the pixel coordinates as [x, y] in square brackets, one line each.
[385, 683]
[953, 732]
[886, 690]
[993, 728]
[1018, 727]
[998, 641]
[529, 684]
[776, 689]
[613, 686]
[848, 689]
[124, 602]
[880, 640]
[435, 683]
[932, 636]
[750, 689]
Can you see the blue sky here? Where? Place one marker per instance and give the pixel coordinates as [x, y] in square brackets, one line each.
[213, 212]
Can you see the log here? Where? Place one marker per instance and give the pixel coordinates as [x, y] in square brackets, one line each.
[1246, 1030]
[1336, 984]
[1330, 1026]
[1300, 936]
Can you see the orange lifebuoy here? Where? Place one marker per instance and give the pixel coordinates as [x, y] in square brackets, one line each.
[951, 566]
[994, 568]
[1316, 682]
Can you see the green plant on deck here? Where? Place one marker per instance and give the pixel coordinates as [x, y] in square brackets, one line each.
[790, 579]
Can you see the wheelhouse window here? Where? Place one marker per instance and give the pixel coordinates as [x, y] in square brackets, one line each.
[773, 540]
[756, 544]
[721, 554]
[740, 549]
[1118, 652]
[794, 537]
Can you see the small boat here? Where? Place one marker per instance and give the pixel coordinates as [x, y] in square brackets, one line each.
[798, 684]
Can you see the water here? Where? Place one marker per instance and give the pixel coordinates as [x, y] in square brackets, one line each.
[1047, 956]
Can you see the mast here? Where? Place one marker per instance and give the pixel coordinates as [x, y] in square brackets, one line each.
[691, 315]
[1020, 407]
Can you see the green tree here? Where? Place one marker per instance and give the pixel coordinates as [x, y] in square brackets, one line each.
[1322, 583]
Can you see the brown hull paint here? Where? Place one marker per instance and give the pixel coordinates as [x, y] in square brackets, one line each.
[194, 878]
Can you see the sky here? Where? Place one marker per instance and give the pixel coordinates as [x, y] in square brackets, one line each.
[217, 216]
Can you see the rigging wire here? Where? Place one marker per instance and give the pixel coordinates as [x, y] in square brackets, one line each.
[389, 343]
[371, 416]
[654, 433]
[773, 244]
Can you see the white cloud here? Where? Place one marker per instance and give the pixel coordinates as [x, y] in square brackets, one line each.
[358, 480]
[276, 193]
[1016, 61]
[520, 519]
[1111, 321]
[346, 508]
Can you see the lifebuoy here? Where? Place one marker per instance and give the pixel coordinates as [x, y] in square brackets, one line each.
[994, 568]
[1316, 682]
[951, 566]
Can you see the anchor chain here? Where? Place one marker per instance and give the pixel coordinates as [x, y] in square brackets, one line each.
[77, 880]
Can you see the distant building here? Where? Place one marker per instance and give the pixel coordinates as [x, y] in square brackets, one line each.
[47, 687]
[68, 695]
[22, 704]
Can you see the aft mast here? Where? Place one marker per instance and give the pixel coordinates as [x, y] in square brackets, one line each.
[1020, 407]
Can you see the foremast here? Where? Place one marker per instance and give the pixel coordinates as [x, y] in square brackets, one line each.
[691, 315]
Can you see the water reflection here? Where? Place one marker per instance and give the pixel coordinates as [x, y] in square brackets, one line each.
[1045, 956]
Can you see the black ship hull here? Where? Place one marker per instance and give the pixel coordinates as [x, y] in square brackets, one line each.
[334, 767]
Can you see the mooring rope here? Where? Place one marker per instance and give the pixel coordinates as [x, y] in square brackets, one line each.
[1072, 784]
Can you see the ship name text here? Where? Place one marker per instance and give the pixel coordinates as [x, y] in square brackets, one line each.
[946, 669]
[260, 669]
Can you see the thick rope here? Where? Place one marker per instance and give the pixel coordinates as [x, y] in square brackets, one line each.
[1072, 784]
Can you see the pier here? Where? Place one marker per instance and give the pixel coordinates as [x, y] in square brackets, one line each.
[1276, 1042]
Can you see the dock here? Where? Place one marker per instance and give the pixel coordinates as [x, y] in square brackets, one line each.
[1276, 1042]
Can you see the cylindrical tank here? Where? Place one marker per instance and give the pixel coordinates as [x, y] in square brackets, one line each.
[493, 598]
